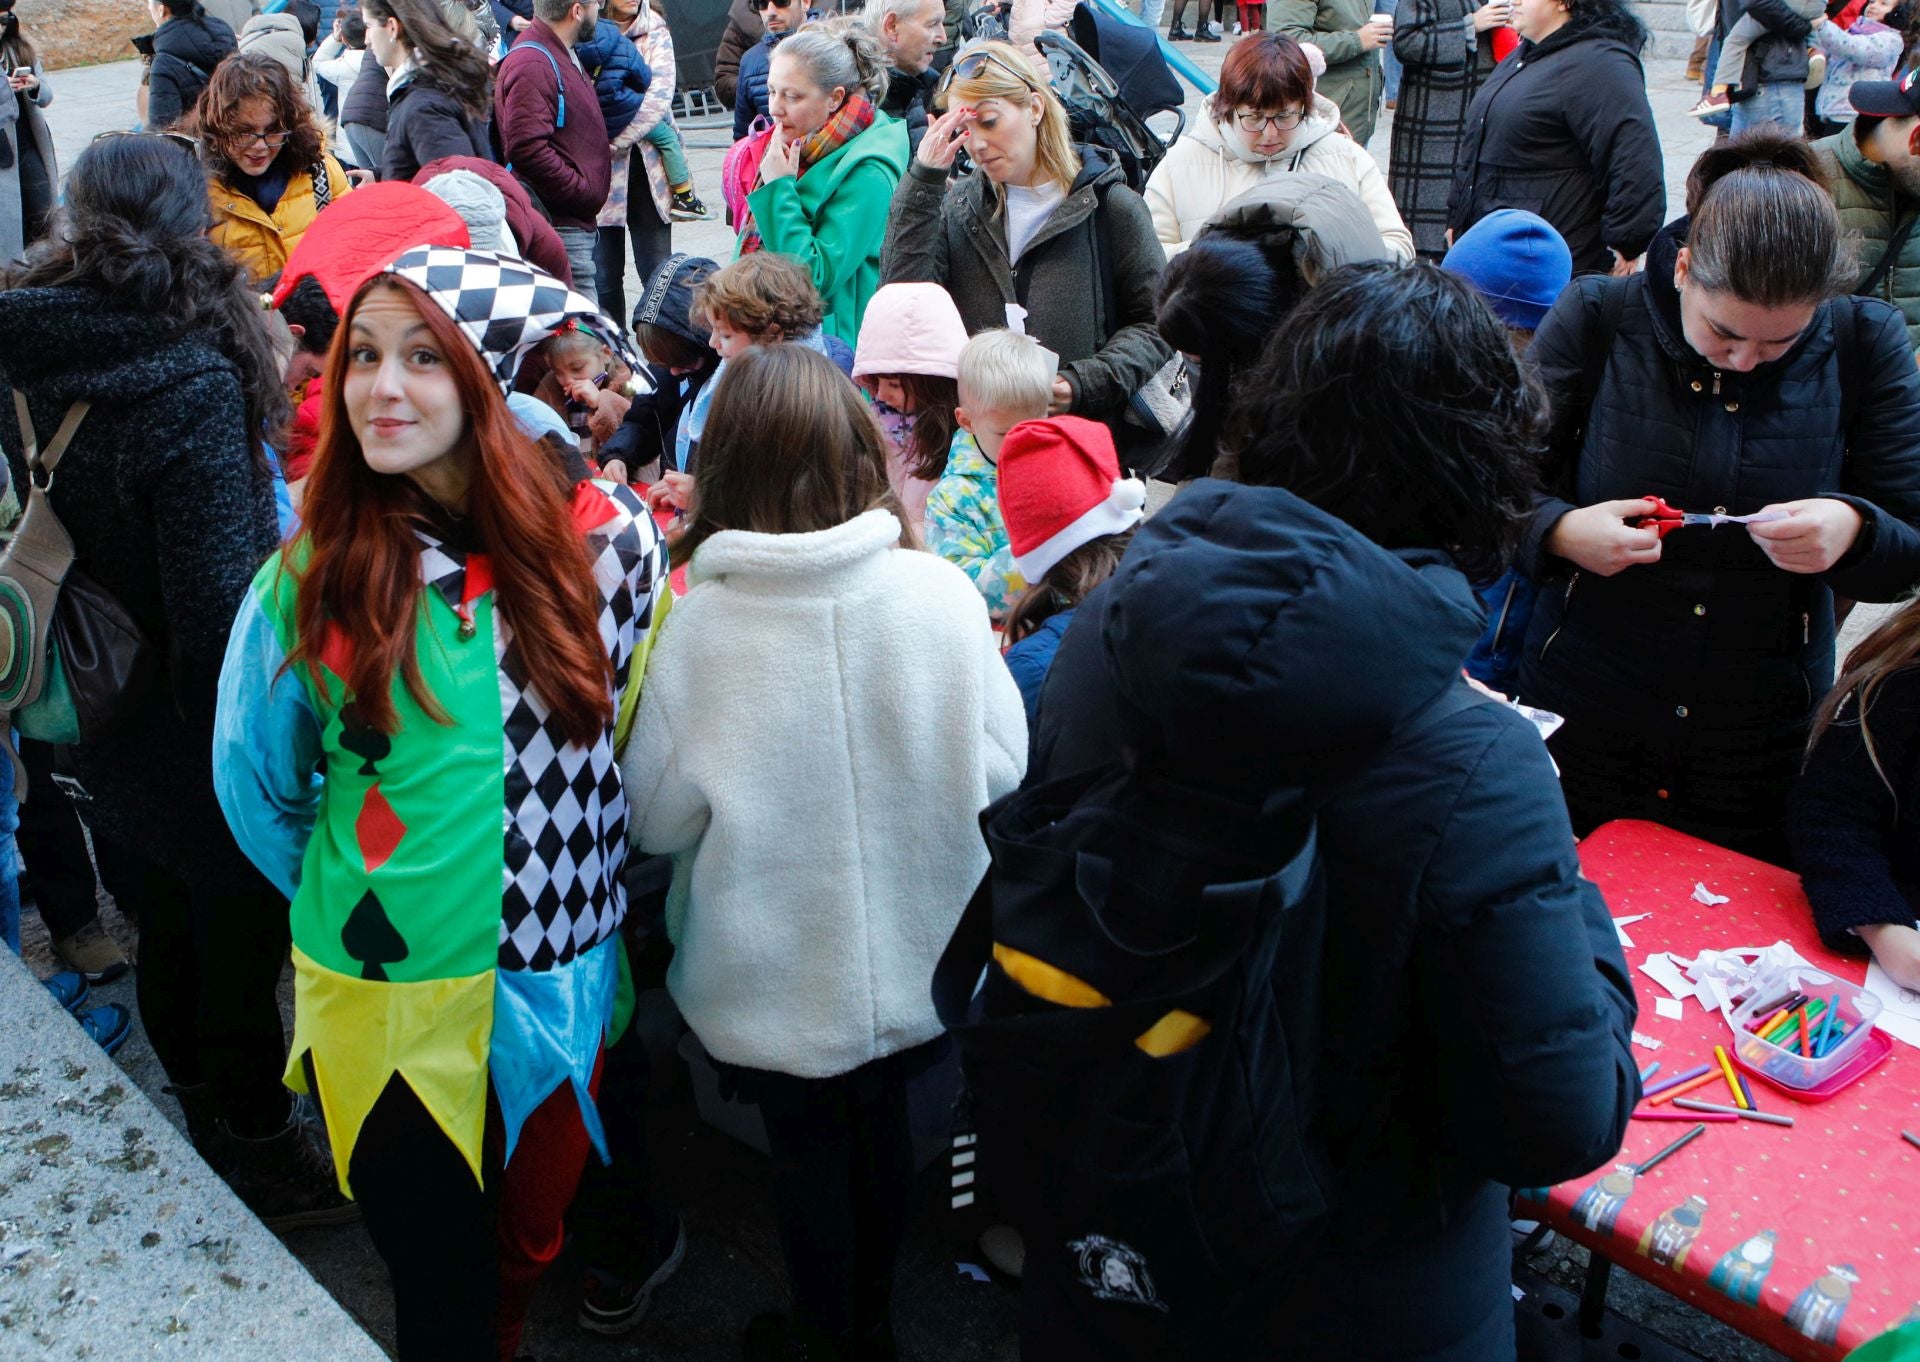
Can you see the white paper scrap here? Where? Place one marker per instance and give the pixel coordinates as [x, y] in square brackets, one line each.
[1670, 1008]
[1645, 1042]
[1702, 894]
[1620, 925]
[1664, 971]
[1900, 1014]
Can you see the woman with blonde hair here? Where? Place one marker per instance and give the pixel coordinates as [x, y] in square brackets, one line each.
[1042, 236]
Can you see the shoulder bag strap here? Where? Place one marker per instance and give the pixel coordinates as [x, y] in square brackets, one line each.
[45, 461]
[1891, 254]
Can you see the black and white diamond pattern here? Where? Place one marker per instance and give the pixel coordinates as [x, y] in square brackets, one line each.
[566, 815]
[506, 306]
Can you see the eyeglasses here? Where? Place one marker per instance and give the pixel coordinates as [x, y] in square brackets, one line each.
[272, 141]
[179, 139]
[970, 64]
[758, 5]
[1251, 120]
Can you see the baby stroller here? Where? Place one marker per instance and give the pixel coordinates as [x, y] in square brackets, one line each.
[1110, 76]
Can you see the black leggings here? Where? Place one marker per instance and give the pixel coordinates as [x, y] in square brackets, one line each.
[652, 243]
[842, 1162]
[1206, 10]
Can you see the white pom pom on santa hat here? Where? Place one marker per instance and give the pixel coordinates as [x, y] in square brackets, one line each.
[1060, 487]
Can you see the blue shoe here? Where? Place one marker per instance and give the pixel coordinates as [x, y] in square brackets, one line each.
[109, 1025]
[69, 988]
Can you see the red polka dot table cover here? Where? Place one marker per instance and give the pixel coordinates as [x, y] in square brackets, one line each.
[1807, 1238]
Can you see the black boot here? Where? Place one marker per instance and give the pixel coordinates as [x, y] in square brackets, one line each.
[286, 1178]
[1178, 34]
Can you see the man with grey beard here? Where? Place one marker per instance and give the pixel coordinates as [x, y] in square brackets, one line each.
[1873, 174]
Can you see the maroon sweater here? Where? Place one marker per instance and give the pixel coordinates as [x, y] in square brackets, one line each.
[569, 168]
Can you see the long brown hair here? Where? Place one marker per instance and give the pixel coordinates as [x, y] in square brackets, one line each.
[252, 75]
[1067, 583]
[1890, 648]
[448, 61]
[15, 50]
[933, 399]
[360, 585]
[790, 447]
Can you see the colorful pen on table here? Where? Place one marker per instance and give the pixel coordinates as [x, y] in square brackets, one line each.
[1707, 1075]
[1911, 1138]
[1641, 1169]
[1678, 1079]
[1726, 1072]
[1765, 1116]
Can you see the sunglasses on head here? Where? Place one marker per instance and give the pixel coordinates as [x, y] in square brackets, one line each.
[179, 139]
[970, 64]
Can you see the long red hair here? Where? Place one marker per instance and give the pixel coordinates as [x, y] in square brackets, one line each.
[360, 585]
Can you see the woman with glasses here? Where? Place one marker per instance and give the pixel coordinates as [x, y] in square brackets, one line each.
[821, 177]
[779, 19]
[1562, 128]
[1265, 120]
[269, 173]
[1042, 236]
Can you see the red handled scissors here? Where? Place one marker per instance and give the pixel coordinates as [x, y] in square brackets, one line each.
[1666, 519]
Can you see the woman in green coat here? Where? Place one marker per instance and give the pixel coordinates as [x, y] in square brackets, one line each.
[827, 172]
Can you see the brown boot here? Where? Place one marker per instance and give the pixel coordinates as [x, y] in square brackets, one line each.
[1697, 63]
[93, 953]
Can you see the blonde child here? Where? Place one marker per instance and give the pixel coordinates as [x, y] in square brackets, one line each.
[1004, 379]
[911, 336]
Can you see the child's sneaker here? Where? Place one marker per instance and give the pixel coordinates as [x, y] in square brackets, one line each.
[1712, 104]
[687, 206]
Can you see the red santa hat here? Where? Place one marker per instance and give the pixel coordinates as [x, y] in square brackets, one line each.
[362, 233]
[1060, 487]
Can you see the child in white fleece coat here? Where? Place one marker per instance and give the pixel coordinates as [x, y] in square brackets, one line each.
[823, 718]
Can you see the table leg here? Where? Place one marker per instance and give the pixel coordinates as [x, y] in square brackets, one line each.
[1593, 1295]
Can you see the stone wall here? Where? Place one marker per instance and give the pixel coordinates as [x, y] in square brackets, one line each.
[81, 32]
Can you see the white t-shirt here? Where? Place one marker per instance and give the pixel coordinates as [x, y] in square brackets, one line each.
[1026, 210]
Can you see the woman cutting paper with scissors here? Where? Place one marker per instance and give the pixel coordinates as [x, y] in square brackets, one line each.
[1734, 441]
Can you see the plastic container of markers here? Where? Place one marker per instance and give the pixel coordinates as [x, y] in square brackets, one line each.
[1783, 1062]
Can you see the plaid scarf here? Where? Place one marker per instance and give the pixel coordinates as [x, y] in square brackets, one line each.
[847, 122]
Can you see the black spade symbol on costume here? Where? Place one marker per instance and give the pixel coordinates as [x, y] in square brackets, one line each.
[370, 938]
[369, 744]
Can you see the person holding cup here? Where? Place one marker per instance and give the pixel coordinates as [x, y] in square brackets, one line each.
[1445, 48]
[1351, 38]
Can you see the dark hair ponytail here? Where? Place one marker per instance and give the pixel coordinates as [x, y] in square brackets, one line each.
[1219, 299]
[133, 228]
[1764, 227]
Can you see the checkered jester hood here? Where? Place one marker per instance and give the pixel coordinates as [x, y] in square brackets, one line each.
[505, 306]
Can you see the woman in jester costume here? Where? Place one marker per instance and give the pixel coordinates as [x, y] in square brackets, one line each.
[420, 715]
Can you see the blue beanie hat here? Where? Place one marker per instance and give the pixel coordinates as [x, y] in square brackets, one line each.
[1517, 261]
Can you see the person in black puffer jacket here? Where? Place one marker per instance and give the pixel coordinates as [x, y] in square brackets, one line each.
[1562, 128]
[1734, 375]
[1266, 640]
[169, 500]
[186, 47]
[440, 89]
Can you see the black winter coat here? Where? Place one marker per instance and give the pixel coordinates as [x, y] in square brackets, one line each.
[1713, 640]
[367, 101]
[424, 123]
[1856, 836]
[185, 51]
[1497, 1005]
[170, 511]
[1779, 57]
[1562, 128]
[906, 100]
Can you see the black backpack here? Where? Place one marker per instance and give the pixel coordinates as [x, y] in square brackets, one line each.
[1139, 1050]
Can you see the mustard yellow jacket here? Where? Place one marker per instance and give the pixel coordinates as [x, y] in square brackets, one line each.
[262, 241]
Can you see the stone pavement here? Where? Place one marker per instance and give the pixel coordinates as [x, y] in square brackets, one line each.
[115, 1240]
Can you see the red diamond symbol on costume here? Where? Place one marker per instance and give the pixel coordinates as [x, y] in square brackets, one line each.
[379, 829]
